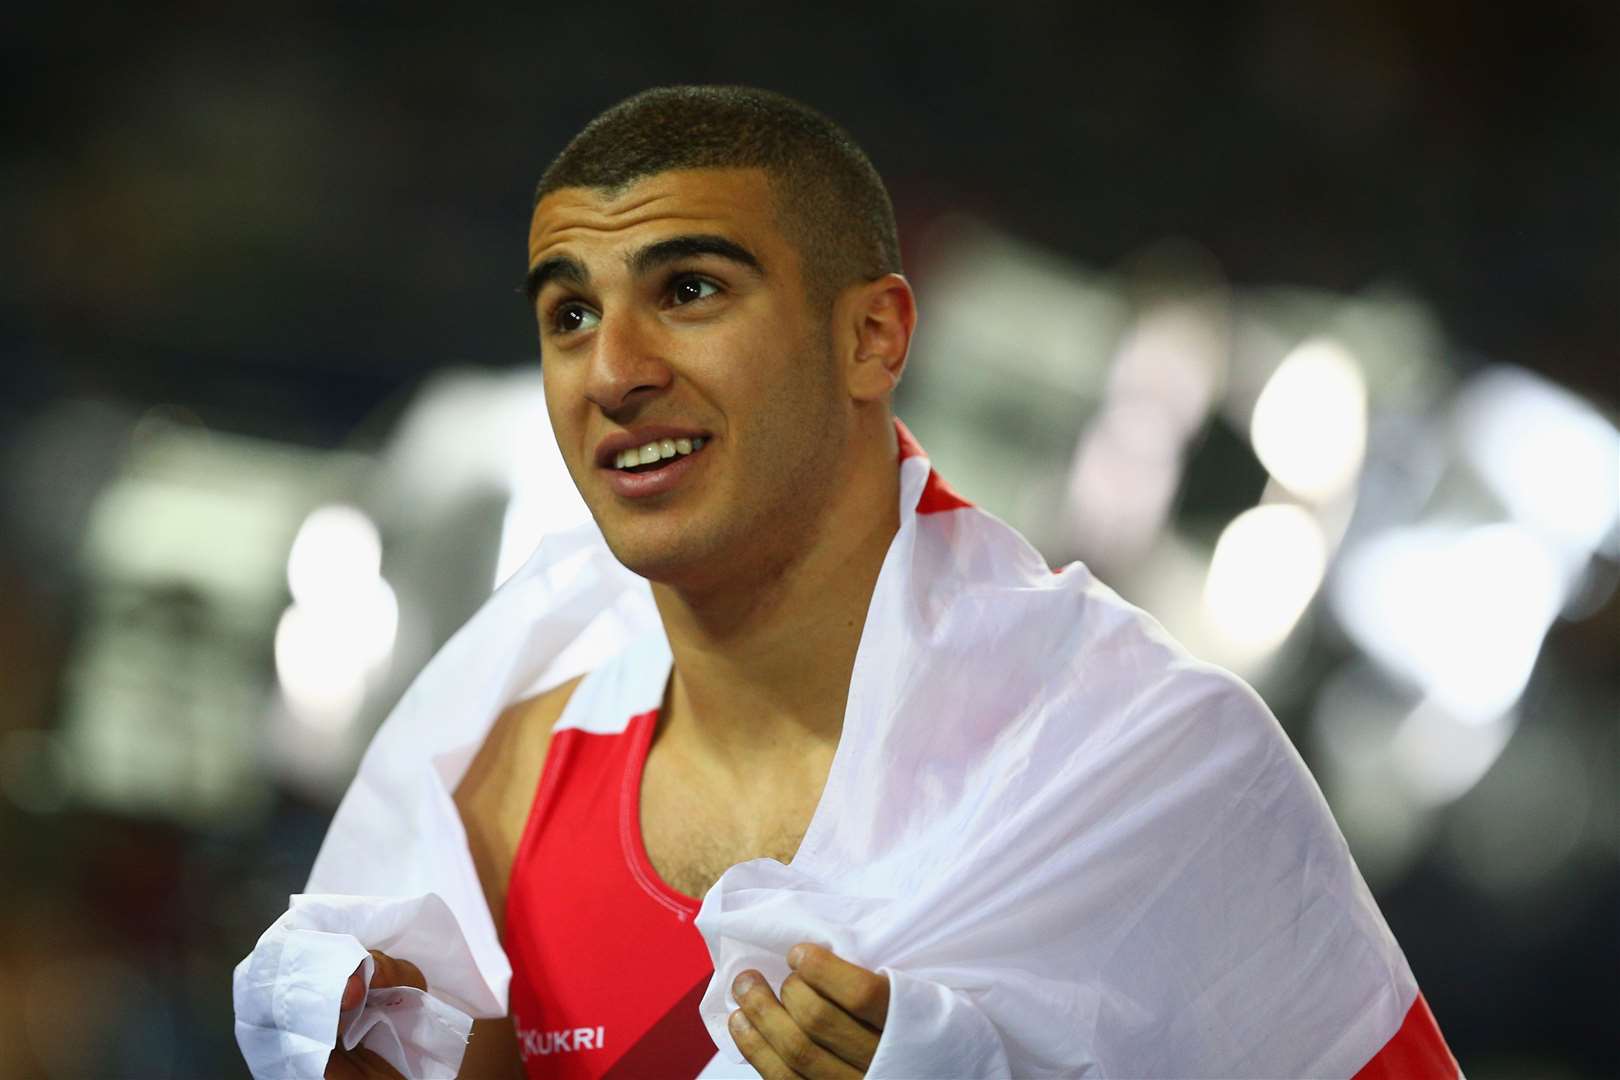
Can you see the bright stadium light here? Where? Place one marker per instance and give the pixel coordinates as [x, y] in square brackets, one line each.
[1267, 565]
[334, 558]
[1552, 459]
[327, 657]
[1309, 426]
[339, 632]
[1459, 611]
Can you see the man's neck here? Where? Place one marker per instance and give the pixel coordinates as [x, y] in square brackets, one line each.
[762, 667]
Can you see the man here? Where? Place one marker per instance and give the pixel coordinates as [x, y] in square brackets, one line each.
[702, 306]
[716, 277]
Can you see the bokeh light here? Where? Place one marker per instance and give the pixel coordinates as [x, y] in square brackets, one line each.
[1265, 570]
[338, 634]
[335, 557]
[1552, 459]
[1310, 422]
[1459, 611]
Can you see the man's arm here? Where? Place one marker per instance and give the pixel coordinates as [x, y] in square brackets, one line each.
[493, 799]
[492, 1052]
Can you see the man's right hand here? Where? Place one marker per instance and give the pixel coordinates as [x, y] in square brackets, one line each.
[360, 1063]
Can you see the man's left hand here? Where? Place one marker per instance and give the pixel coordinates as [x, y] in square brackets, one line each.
[826, 1024]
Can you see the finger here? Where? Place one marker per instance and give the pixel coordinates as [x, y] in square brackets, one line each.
[386, 972]
[828, 1025]
[392, 972]
[354, 992]
[799, 1053]
[354, 989]
[861, 993]
[756, 1050]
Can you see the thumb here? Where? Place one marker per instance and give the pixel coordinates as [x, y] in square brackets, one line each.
[386, 972]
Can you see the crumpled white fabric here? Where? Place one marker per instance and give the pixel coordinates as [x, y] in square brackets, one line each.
[287, 1014]
[412, 1030]
[1074, 850]
[394, 864]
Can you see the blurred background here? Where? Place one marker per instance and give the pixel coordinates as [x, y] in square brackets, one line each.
[1298, 323]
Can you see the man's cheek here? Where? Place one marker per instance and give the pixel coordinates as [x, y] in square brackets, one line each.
[566, 429]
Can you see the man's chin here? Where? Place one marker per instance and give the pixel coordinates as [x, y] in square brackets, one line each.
[684, 551]
[661, 562]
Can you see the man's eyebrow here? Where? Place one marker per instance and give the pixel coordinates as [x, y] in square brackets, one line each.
[649, 258]
[675, 248]
[556, 268]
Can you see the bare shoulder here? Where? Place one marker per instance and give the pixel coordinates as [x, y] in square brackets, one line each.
[494, 796]
[516, 745]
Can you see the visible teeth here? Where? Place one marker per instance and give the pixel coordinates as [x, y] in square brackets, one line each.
[655, 451]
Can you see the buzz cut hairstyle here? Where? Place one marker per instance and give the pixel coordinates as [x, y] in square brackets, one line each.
[830, 202]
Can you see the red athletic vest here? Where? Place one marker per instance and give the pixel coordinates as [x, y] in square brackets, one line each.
[607, 967]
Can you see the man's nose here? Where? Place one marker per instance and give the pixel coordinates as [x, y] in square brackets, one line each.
[627, 363]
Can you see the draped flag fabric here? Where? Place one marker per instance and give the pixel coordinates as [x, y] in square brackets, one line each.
[1073, 849]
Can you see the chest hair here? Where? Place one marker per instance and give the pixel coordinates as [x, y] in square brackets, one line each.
[694, 832]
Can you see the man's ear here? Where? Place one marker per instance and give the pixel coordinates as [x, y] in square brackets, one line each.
[883, 315]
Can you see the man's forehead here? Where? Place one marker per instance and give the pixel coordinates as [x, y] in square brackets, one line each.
[724, 201]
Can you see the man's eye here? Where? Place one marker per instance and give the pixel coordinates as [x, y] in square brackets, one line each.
[688, 289]
[572, 318]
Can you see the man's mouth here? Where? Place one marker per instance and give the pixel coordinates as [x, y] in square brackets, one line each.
[655, 455]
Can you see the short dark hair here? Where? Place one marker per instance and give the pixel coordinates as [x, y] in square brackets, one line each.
[830, 202]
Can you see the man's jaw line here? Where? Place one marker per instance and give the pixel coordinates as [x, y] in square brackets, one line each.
[722, 594]
[785, 578]
[771, 639]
